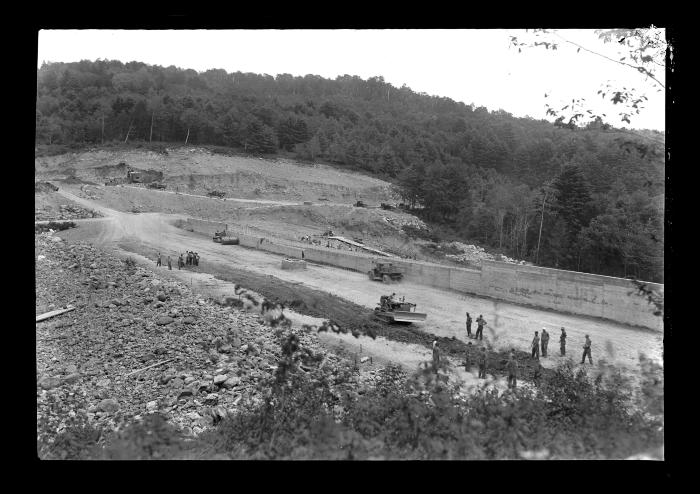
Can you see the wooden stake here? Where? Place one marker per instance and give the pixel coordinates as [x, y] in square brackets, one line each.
[150, 366]
[53, 313]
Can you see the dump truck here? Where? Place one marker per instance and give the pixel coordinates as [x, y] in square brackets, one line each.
[390, 310]
[385, 271]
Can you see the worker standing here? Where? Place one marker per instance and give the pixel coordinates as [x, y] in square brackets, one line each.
[483, 358]
[536, 346]
[170, 264]
[562, 342]
[469, 325]
[158, 261]
[196, 259]
[545, 341]
[180, 262]
[480, 322]
[537, 374]
[512, 368]
[587, 351]
[436, 357]
[468, 357]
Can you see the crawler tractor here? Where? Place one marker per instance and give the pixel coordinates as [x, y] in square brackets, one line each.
[390, 310]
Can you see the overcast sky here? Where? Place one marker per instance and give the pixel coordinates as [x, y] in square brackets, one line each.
[473, 66]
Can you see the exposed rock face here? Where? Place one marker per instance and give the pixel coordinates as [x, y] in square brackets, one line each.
[83, 357]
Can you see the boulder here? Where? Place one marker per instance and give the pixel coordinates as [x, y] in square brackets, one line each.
[164, 320]
[189, 320]
[49, 382]
[220, 379]
[109, 405]
[211, 399]
[72, 378]
[231, 382]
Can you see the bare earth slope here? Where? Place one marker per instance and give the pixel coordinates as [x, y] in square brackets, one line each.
[513, 325]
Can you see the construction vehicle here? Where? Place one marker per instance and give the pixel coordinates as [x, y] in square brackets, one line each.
[156, 185]
[218, 236]
[360, 204]
[385, 271]
[390, 310]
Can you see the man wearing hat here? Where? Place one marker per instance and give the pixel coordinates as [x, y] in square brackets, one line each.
[536, 346]
[587, 351]
[436, 356]
[467, 357]
[483, 359]
[512, 368]
[469, 325]
[545, 342]
[562, 342]
[480, 328]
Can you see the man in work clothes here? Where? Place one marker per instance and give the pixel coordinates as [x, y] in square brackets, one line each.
[562, 342]
[545, 342]
[196, 259]
[512, 368]
[180, 262]
[483, 358]
[537, 375]
[536, 346]
[480, 328]
[467, 357]
[158, 261]
[469, 325]
[436, 357]
[170, 264]
[587, 351]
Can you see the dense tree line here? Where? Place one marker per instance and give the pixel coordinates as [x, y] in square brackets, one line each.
[588, 199]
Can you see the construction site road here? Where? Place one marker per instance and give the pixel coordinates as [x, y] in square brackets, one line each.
[238, 199]
[509, 325]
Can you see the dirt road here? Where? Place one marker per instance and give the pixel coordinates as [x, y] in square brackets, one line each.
[509, 325]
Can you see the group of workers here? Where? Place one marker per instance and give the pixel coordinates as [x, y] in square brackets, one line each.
[538, 343]
[192, 259]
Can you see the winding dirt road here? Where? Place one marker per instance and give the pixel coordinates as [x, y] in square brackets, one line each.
[509, 325]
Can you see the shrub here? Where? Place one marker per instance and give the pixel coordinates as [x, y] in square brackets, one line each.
[54, 225]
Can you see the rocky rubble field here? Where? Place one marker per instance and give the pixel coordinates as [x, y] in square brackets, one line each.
[474, 253]
[64, 212]
[128, 318]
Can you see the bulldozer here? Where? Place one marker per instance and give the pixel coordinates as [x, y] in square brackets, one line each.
[385, 271]
[390, 310]
[219, 235]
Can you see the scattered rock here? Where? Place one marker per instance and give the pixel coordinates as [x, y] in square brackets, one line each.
[108, 405]
[49, 382]
[231, 382]
[220, 379]
[72, 378]
[164, 320]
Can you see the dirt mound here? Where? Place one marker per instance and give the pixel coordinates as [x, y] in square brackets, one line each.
[44, 187]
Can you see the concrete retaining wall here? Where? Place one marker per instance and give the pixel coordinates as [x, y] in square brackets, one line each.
[566, 291]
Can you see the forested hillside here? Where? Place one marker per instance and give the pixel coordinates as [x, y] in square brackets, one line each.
[583, 199]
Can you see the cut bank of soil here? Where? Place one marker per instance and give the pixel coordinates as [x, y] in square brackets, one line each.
[351, 316]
